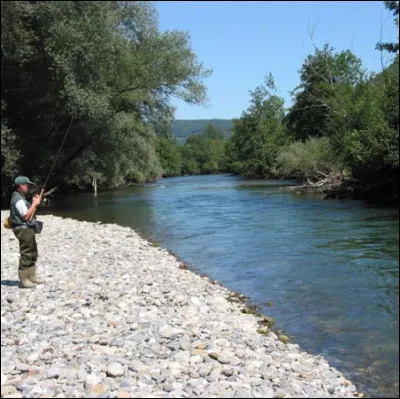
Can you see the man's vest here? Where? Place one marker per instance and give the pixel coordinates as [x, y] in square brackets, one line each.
[15, 217]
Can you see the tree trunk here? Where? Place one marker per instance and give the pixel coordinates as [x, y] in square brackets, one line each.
[94, 184]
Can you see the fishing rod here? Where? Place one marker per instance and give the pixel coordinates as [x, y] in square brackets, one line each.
[58, 152]
[42, 193]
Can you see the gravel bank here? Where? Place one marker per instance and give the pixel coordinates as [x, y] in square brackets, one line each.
[119, 318]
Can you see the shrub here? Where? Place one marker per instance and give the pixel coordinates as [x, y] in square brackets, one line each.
[311, 159]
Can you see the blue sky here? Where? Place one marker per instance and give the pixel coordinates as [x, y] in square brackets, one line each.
[242, 41]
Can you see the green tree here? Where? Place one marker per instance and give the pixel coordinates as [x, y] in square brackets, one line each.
[356, 113]
[103, 67]
[371, 146]
[215, 150]
[10, 155]
[325, 94]
[311, 160]
[259, 133]
[169, 155]
[205, 152]
[213, 133]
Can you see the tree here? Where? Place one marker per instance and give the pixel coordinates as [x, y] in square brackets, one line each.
[169, 155]
[391, 47]
[259, 133]
[10, 155]
[213, 133]
[103, 67]
[205, 152]
[325, 94]
[371, 146]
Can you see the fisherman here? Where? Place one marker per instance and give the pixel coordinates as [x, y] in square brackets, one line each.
[23, 224]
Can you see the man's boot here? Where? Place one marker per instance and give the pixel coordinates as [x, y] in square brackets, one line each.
[24, 281]
[33, 277]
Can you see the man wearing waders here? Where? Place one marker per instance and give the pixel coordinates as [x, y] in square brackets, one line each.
[22, 221]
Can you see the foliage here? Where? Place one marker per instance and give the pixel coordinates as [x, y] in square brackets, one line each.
[204, 153]
[182, 129]
[9, 153]
[103, 67]
[322, 99]
[259, 133]
[344, 123]
[356, 113]
[311, 159]
[169, 155]
[101, 75]
[372, 143]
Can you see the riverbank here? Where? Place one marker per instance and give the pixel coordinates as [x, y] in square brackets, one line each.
[380, 193]
[119, 317]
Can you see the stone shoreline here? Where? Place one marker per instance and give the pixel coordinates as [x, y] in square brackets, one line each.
[120, 318]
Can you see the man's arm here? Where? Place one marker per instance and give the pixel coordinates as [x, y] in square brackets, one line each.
[26, 213]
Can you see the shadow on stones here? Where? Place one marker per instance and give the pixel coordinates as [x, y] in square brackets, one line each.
[9, 283]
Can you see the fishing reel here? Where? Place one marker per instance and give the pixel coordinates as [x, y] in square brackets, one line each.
[45, 200]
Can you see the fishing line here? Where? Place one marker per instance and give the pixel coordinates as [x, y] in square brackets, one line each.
[58, 153]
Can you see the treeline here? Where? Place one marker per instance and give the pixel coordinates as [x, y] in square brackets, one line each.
[104, 73]
[202, 153]
[341, 135]
[182, 129]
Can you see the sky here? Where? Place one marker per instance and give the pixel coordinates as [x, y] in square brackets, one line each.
[243, 41]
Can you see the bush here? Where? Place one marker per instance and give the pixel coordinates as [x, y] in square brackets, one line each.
[137, 177]
[311, 159]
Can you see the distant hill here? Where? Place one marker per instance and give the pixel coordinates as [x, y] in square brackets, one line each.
[181, 128]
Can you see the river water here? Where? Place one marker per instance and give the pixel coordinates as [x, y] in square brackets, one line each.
[325, 270]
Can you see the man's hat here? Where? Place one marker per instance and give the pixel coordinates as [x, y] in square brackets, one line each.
[22, 180]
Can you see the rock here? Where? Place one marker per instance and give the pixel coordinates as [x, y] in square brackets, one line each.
[115, 370]
[53, 372]
[7, 390]
[228, 372]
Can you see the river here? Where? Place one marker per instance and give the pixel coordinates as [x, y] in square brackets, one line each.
[325, 270]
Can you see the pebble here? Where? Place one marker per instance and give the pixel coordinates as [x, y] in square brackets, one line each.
[121, 318]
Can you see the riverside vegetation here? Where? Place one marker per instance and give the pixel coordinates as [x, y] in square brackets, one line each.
[106, 70]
